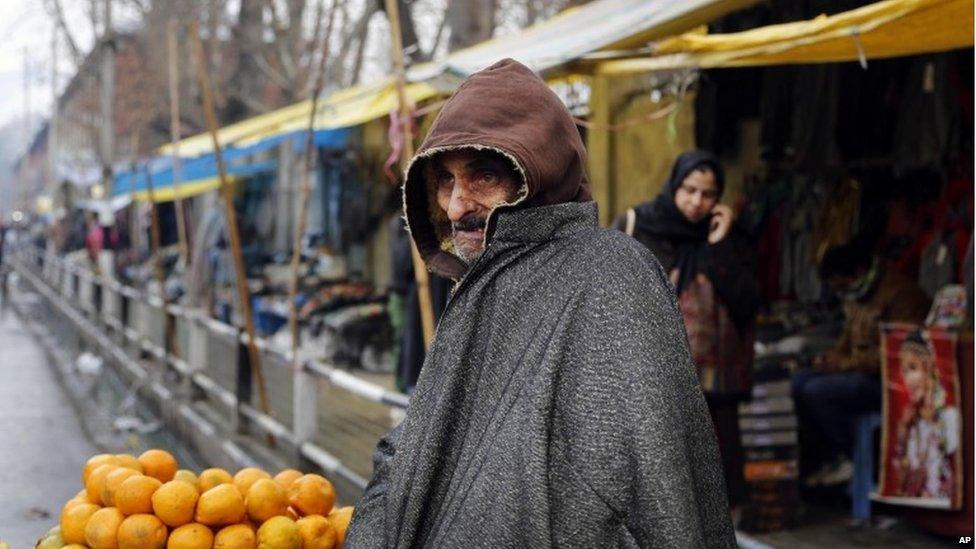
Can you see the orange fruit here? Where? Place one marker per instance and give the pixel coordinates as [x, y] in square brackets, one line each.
[238, 536]
[187, 475]
[210, 478]
[174, 502]
[80, 497]
[221, 506]
[142, 532]
[75, 546]
[340, 519]
[317, 532]
[286, 477]
[190, 536]
[102, 527]
[112, 482]
[96, 481]
[72, 503]
[74, 520]
[134, 496]
[266, 499]
[93, 463]
[129, 462]
[311, 495]
[279, 533]
[248, 476]
[158, 464]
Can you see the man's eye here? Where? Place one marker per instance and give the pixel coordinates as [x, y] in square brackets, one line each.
[489, 177]
[444, 179]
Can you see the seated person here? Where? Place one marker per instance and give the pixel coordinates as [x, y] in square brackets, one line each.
[845, 382]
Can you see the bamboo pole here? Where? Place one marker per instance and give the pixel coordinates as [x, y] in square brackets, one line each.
[174, 131]
[226, 191]
[169, 331]
[296, 254]
[419, 268]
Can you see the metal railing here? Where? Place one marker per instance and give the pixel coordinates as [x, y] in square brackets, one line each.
[205, 354]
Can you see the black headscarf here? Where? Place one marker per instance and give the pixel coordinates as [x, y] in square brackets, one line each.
[662, 218]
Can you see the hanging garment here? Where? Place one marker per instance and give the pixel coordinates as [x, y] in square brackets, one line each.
[938, 264]
[927, 115]
[814, 125]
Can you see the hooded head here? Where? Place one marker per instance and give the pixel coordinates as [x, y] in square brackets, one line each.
[681, 210]
[696, 184]
[505, 115]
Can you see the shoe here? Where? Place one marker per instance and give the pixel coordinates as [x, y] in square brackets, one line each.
[841, 472]
[883, 522]
[815, 478]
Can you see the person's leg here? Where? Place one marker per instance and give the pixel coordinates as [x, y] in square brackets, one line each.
[834, 400]
[811, 441]
[725, 419]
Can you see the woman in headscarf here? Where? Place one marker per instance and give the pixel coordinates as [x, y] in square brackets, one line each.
[711, 263]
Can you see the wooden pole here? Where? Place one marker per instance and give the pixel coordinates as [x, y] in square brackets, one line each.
[107, 93]
[296, 254]
[154, 240]
[174, 132]
[227, 193]
[419, 268]
[155, 245]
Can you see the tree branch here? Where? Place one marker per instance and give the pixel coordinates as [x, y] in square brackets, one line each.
[251, 103]
[357, 30]
[54, 6]
[143, 6]
[438, 36]
[280, 79]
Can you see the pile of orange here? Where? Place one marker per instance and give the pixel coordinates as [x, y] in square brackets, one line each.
[148, 502]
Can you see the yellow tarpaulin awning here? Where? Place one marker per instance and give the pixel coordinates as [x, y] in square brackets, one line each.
[891, 28]
[342, 109]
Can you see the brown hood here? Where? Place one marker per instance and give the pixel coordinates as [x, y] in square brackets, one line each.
[506, 108]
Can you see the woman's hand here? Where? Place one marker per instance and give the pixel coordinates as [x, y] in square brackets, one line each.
[721, 223]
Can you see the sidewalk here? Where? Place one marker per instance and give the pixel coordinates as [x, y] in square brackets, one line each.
[43, 445]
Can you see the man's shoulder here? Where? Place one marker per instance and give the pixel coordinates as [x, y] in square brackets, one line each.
[610, 253]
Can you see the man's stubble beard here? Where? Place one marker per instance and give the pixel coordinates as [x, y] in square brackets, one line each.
[467, 254]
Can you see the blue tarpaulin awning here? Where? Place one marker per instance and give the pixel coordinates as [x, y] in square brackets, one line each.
[199, 174]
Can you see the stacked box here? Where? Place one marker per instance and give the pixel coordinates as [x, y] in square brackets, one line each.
[771, 455]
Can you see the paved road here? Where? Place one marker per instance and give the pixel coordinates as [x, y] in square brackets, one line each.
[42, 445]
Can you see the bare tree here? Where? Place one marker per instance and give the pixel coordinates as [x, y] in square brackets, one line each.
[353, 42]
[408, 30]
[470, 22]
[243, 91]
[57, 12]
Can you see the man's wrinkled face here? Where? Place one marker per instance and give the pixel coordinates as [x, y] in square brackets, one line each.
[697, 195]
[469, 185]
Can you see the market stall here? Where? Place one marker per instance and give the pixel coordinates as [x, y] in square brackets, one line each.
[851, 130]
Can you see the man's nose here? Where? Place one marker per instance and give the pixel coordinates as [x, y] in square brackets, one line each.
[460, 206]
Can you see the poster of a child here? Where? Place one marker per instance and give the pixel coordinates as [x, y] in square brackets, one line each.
[922, 454]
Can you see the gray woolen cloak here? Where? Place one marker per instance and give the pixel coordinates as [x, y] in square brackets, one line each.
[558, 405]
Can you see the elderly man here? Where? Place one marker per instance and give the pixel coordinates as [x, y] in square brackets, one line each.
[558, 404]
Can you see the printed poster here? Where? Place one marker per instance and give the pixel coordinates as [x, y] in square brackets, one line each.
[921, 461]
